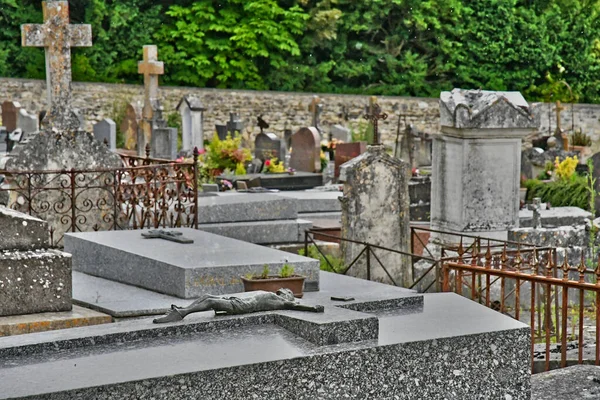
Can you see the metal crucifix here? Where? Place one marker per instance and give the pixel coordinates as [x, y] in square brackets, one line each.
[374, 116]
[173, 236]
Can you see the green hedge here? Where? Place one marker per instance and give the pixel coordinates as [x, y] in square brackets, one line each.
[560, 193]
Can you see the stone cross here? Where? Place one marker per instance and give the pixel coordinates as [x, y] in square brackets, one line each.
[315, 107]
[374, 116]
[151, 68]
[536, 206]
[57, 36]
[559, 108]
[172, 236]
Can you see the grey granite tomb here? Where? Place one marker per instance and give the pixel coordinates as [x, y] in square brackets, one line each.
[211, 265]
[476, 161]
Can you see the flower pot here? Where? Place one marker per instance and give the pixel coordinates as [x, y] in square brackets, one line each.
[274, 283]
[522, 194]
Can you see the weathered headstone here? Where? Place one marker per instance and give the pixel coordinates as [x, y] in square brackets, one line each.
[407, 146]
[57, 36]
[558, 132]
[151, 68]
[267, 146]
[306, 150]
[27, 122]
[375, 209]
[105, 131]
[342, 133]
[476, 162]
[130, 124]
[10, 112]
[345, 152]
[234, 124]
[221, 131]
[164, 143]
[191, 110]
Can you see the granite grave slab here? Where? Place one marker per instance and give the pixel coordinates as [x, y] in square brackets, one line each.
[211, 265]
[556, 216]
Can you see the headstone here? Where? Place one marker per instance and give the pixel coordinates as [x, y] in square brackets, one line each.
[27, 122]
[526, 166]
[375, 210]
[151, 68]
[191, 110]
[342, 133]
[221, 131]
[407, 150]
[58, 37]
[287, 136]
[267, 146]
[129, 125]
[164, 143]
[105, 131]
[34, 279]
[476, 162]
[234, 124]
[10, 112]
[345, 152]
[306, 150]
[316, 108]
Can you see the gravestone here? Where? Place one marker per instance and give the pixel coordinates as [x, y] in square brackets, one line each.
[342, 133]
[316, 108]
[234, 124]
[164, 143]
[526, 166]
[151, 68]
[267, 146]
[306, 150]
[191, 110]
[28, 123]
[129, 126]
[287, 136]
[57, 36]
[345, 152]
[33, 279]
[105, 131]
[375, 209]
[476, 162]
[221, 131]
[10, 112]
[407, 145]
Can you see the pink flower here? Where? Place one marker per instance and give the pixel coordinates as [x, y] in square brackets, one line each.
[268, 163]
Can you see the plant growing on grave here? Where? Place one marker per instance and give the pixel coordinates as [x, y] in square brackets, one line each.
[548, 172]
[324, 161]
[274, 166]
[265, 272]
[272, 283]
[561, 193]
[580, 139]
[286, 271]
[328, 263]
[226, 154]
[565, 169]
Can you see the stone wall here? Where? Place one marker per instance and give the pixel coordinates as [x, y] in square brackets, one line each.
[280, 109]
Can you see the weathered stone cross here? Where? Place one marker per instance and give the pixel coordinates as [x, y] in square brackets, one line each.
[374, 115]
[151, 68]
[559, 108]
[315, 107]
[57, 37]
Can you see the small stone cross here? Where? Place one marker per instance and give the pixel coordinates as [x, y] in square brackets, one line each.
[151, 68]
[374, 116]
[57, 37]
[172, 236]
[536, 206]
[315, 107]
[559, 108]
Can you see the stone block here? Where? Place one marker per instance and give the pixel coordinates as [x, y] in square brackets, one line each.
[555, 217]
[572, 383]
[245, 207]
[261, 232]
[312, 202]
[34, 282]
[211, 265]
[21, 231]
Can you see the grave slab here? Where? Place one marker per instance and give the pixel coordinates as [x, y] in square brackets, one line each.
[572, 383]
[298, 181]
[311, 202]
[245, 207]
[212, 264]
[253, 356]
[261, 232]
[22, 231]
[556, 216]
[41, 322]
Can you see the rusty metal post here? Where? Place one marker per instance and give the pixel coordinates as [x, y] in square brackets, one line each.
[73, 200]
[368, 262]
[195, 186]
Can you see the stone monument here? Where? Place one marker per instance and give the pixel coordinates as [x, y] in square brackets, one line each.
[151, 68]
[129, 126]
[476, 162]
[306, 150]
[316, 108]
[191, 110]
[105, 131]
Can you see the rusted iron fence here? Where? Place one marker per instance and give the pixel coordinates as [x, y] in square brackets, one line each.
[146, 193]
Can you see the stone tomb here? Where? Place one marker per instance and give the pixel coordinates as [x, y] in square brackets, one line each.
[267, 146]
[306, 150]
[385, 344]
[106, 132]
[211, 265]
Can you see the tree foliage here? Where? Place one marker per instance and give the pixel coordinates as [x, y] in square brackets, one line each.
[547, 49]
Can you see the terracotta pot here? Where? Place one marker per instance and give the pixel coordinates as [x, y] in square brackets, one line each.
[274, 283]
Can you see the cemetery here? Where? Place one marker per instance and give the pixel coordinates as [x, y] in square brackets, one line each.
[459, 262]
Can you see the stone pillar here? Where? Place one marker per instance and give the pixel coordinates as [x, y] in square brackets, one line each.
[191, 110]
[476, 162]
[375, 209]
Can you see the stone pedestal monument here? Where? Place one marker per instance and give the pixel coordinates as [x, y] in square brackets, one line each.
[476, 162]
[191, 110]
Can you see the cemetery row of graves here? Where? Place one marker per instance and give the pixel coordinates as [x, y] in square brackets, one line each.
[414, 286]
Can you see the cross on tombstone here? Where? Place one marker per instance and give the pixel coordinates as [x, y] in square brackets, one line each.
[151, 68]
[57, 36]
[315, 107]
[234, 124]
[536, 206]
[374, 116]
[172, 236]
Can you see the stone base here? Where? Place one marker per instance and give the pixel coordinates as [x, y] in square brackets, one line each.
[42, 322]
[261, 232]
[211, 265]
[452, 238]
[34, 282]
[386, 344]
[572, 383]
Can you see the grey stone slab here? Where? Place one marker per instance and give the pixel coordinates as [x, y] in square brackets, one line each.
[261, 232]
[212, 264]
[245, 207]
[336, 215]
[447, 341]
[308, 202]
[118, 299]
[21, 231]
[34, 281]
[572, 383]
[556, 216]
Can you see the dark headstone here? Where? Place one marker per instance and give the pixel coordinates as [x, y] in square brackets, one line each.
[267, 146]
[221, 131]
[164, 143]
[347, 151]
[234, 124]
[10, 112]
[306, 150]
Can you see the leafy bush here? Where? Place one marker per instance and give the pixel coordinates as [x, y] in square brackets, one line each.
[222, 155]
[337, 263]
[580, 139]
[561, 193]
